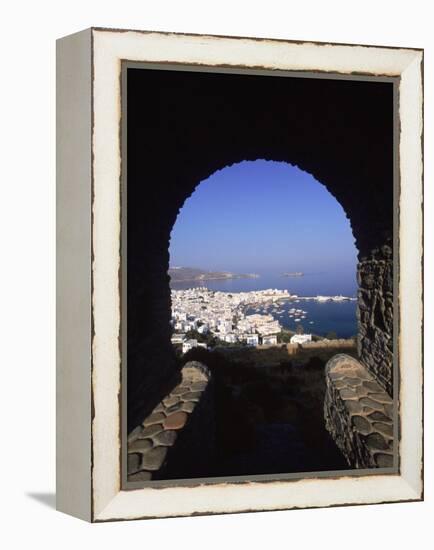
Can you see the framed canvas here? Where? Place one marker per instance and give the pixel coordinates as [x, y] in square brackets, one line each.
[239, 274]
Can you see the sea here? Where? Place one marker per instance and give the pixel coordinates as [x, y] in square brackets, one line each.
[321, 318]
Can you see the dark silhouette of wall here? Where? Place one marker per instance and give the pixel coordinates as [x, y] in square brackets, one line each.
[183, 126]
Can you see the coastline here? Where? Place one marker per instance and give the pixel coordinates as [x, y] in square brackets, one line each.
[214, 278]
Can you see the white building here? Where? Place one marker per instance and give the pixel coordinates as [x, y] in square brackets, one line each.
[190, 344]
[301, 338]
[202, 329]
[225, 326]
[270, 340]
[225, 314]
[178, 338]
[251, 339]
[269, 328]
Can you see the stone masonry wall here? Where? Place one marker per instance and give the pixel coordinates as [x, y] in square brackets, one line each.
[177, 440]
[194, 452]
[375, 313]
[358, 414]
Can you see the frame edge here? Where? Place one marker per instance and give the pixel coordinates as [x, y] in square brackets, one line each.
[73, 275]
[112, 510]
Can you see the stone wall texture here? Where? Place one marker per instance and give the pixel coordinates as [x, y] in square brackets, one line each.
[358, 414]
[177, 439]
[375, 315]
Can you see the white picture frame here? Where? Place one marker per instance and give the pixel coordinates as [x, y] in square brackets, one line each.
[88, 267]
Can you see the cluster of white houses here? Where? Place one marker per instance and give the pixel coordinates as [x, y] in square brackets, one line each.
[222, 314]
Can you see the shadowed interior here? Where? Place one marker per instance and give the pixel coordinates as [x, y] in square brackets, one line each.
[183, 126]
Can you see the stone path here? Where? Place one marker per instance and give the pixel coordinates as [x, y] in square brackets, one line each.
[358, 413]
[150, 442]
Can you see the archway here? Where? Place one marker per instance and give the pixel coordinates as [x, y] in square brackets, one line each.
[267, 219]
[234, 241]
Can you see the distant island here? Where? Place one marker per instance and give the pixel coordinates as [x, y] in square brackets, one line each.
[293, 274]
[185, 274]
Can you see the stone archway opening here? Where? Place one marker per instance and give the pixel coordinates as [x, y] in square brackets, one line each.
[252, 250]
[256, 225]
[184, 126]
[263, 213]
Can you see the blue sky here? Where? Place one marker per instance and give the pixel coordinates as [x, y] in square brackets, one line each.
[260, 217]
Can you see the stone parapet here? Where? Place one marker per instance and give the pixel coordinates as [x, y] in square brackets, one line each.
[336, 343]
[177, 439]
[358, 414]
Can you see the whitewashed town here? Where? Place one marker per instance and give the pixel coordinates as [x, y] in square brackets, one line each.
[223, 315]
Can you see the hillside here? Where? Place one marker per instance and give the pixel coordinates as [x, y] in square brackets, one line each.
[184, 274]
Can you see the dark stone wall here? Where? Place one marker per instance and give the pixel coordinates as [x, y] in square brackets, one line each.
[183, 126]
[358, 414]
[194, 451]
[375, 314]
[152, 370]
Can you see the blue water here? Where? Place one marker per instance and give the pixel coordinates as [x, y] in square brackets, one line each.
[321, 317]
